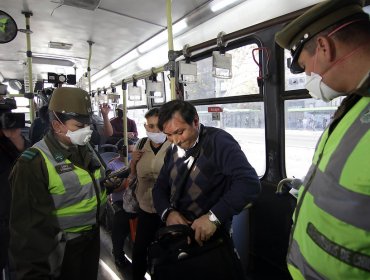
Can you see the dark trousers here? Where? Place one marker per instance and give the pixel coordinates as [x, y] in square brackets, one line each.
[4, 245]
[120, 230]
[147, 226]
[81, 257]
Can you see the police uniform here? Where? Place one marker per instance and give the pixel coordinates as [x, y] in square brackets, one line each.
[56, 203]
[330, 237]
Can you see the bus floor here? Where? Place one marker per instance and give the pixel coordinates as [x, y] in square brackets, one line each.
[107, 267]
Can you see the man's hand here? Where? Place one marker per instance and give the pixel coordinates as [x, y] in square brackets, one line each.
[175, 218]
[131, 135]
[15, 135]
[104, 109]
[204, 229]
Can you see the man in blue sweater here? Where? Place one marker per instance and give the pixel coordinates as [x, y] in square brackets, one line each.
[221, 182]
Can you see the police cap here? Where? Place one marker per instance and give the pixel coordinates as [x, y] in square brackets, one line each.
[317, 19]
[73, 102]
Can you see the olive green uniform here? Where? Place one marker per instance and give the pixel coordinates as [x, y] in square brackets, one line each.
[34, 228]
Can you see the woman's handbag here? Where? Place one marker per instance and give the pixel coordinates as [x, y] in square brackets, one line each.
[172, 256]
[130, 203]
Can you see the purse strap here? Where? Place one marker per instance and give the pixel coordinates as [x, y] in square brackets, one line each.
[179, 190]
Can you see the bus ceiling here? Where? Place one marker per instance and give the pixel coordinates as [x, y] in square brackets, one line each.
[129, 36]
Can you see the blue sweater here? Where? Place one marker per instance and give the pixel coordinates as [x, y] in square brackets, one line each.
[222, 179]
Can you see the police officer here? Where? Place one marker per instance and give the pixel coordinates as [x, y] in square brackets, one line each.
[56, 197]
[330, 238]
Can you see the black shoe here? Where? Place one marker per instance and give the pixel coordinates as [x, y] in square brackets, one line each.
[122, 263]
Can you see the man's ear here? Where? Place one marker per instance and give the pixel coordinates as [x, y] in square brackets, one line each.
[326, 48]
[196, 121]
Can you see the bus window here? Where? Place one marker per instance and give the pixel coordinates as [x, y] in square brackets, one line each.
[305, 120]
[138, 116]
[246, 123]
[243, 81]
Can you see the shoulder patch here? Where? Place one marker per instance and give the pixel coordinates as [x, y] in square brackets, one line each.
[29, 154]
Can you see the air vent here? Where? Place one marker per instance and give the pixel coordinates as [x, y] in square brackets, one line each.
[60, 45]
[83, 4]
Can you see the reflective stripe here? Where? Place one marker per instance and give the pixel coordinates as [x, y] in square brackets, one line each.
[348, 143]
[343, 254]
[296, 259]
[81, 219]
[343, 204]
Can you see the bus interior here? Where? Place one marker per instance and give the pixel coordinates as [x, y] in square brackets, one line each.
[220, 55]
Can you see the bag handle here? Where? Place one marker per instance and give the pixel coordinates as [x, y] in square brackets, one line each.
[177, 229]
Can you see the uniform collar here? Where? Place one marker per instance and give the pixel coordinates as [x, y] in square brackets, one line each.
[60, 152]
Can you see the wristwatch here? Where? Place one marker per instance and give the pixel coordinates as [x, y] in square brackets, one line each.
[213, 219]
[165, 214]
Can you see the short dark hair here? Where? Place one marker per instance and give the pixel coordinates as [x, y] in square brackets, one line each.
[356, 33]
[184, 108]
[152, 112]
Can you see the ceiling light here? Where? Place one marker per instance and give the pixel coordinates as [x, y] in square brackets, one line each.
[83, 4]
[179, 26]
[161, 38]
[52, 61]
[60, 45]
[125, 59]
[99, 74]
[219, 5]
[153, 42]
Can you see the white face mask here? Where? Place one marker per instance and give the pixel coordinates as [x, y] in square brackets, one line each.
[319, 90]
[157, 138]
[80, 136]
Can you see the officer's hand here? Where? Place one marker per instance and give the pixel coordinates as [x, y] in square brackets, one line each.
[175, 218]
[112, 183]
[204, 229]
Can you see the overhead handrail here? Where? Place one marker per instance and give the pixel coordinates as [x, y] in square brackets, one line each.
[88, 64]
[170, 46]
[28, 32]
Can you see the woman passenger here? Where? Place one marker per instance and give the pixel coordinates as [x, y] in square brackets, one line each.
[146, 164]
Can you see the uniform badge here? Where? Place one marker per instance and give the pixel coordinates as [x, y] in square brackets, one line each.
[59, 157]
[365, 118]
[63, 168]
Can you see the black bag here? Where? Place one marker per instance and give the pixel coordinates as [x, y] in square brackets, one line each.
[171, 256]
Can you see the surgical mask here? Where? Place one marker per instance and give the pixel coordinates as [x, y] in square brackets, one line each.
[80, 136]
[157, 137]
[319, 90]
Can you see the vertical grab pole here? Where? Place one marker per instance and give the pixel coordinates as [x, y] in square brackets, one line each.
[88, 65]
[170, 45]
[124, 105]
[29, 64]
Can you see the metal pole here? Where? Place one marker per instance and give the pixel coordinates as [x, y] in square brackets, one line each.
[29, 64]
[124, 105]
[88, 65]
[170, 45]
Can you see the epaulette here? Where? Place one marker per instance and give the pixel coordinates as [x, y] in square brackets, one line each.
[29, 154]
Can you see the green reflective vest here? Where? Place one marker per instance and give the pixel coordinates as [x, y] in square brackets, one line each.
[73, 192]
[331, 233]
